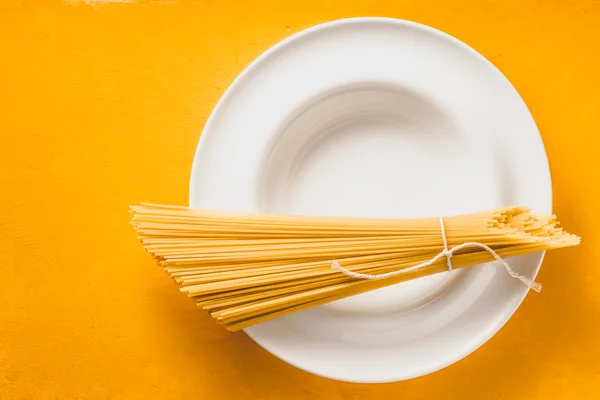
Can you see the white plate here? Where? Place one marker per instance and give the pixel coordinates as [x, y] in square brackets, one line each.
[378, 117]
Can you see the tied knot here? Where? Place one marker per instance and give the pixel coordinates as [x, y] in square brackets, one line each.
[446, 253]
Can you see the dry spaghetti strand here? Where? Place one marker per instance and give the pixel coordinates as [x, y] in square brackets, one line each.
[246, 268]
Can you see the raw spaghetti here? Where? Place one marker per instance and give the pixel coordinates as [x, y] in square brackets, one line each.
[245, 268]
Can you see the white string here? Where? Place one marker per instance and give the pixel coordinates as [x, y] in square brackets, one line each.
[444, 253]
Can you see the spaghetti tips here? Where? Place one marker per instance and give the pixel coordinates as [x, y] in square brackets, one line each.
[245, 268]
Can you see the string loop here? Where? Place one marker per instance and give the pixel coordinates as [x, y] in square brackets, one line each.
[448, 253]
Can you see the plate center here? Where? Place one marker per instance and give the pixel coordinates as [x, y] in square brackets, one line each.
[369, 150]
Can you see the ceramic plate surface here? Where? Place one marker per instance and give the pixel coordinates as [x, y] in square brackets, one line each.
[376, 117]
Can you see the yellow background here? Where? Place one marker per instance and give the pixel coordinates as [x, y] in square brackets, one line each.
[101, 106]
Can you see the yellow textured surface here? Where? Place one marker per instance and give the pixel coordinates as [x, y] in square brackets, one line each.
[102, 104]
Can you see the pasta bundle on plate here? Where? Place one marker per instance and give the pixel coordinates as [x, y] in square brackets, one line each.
[245, 268]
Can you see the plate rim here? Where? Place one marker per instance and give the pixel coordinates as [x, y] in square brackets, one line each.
[485, 336]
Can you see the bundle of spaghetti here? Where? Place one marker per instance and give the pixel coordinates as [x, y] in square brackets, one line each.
[245, 268]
